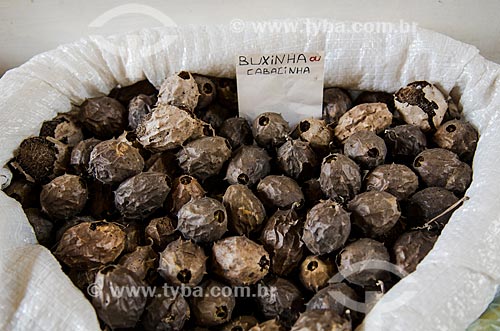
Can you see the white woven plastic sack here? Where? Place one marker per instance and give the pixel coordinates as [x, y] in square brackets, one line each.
[450, 288]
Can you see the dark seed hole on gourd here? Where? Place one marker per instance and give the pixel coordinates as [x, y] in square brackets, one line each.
[418, 161]
[184, 75]
[313, 265]
[185, 180]
[304, 126]
[221, 312]
[263, 263]
[219, 216]
[373, 152]
[330, 158]
[207, 88]
[243, 179]
[263, 120]
[298, 204]
[184, 276]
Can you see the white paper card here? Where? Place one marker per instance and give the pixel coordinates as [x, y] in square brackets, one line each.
[288, 83]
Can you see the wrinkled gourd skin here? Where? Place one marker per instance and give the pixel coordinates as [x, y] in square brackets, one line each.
[148, 187]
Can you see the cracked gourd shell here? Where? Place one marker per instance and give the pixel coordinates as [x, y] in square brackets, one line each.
[373, 117]
[239, 260]
[422, 104]
[180, 90]
[113, 161]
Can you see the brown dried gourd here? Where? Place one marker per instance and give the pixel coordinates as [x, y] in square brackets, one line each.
[63, 129]
[340, 176]
[459, 137]
[320, 320]
[237, 131]
[327, 227]
[138, 108]
[239, 260]
[278, 297]
[161, 231]
[90, 244]
[249, 165]
[375, 97]
[442, 168]
[227, 93]
[405, 141]
[280, 191]
[207, 90]
[241, 323]
[166, 312]
[375, 212]
[184, 189]
[169, 127]
[429, 203]
[118, 311]
[133, 236]
[202, 220]
[269, 325]
[41, 159]
[215, 115]
[366, 148]
[64, 197]
[281, 238]
[316, 132]
[315, 272]
[297, 159]
[270, 130]
[204, 157]
[141, 195]
[180, 90]
[113, 161]
[212, 308]
[246, 211]
[359, 262]
[140, 261]
[336, 102]
[333, 297]
[411, 248]
[396, 179]
[182, 263]
[164, 162]
[80, 156]
[104, 117]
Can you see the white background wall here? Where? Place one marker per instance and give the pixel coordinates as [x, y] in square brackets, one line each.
[28, 27]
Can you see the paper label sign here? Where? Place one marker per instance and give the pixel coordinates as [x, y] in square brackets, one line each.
[289, 83]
